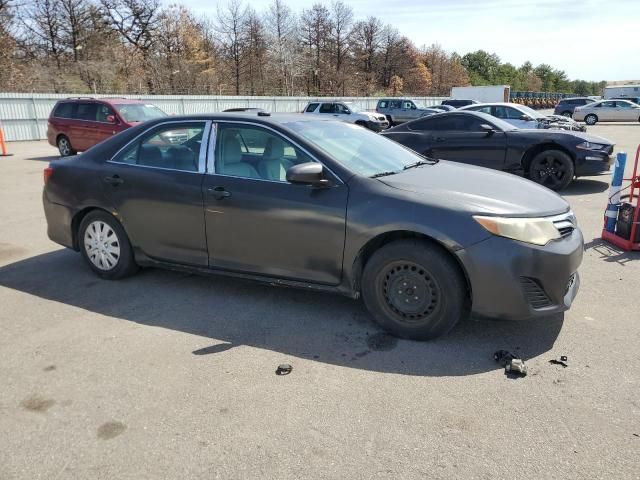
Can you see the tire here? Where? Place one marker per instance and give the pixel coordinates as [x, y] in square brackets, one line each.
[567, 114]
[591, 119]
[389, 120]
[109, 260]
[553, 169]
[422, 276]
[64, 146]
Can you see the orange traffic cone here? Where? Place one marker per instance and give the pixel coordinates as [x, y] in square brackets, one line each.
[3, 145]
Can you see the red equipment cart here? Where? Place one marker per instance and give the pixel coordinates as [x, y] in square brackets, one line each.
[628, 214]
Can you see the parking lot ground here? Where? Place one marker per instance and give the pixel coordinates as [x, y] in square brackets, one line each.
[167, 375]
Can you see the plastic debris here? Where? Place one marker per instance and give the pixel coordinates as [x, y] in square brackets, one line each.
[512, 364]
[562, 361]
[284, 369]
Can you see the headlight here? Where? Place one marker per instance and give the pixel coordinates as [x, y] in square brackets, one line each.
[590, 146]
[538, 231]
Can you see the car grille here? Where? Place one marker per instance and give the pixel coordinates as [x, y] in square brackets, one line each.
[565, 223]
[534, 293]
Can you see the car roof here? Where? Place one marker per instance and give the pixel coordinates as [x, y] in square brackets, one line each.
[110, 100]
[259, 117]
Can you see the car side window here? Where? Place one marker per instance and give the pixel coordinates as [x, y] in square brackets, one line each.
[382, 104]
[340, 108]
[608, 104]
[63, 110]
[86, 111]
[408, 105]
[486, 110]
[394, 104]
[423, 124]
[103, 112]
[175, 146]
[623, 105]
[326, 108]
[312, 107]
[255, 152]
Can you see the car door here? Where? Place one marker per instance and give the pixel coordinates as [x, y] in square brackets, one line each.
[606, 111]
[513, 116]
[155, 186]
[409, 110]
[83, 128]
[341, 112]
[626, 112]
[105, 128]
[326, 109]
[257, 222]
[462, 138]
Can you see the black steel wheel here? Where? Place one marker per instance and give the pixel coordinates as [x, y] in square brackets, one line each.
[414, 289]
[552, 168]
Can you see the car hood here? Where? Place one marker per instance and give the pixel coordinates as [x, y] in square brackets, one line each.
[477, 190]
[579, 136]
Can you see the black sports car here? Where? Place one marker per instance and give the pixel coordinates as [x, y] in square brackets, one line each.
[550, 157]
[313, 203]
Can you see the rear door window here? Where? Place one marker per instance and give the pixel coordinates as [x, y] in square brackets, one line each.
[312, 107]
[63, 110]
[86, 111]
[382, 104]
[173, 146]
[326, 108]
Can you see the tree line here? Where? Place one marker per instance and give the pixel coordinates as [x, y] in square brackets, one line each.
[143, 47]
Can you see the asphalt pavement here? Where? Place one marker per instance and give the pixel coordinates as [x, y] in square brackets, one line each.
[169, 375]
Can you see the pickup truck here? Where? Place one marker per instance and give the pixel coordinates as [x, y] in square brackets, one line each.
[347, 112]
[402, 110]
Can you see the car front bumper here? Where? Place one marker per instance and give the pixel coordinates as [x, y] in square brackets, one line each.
[593, 162]
[515, 281]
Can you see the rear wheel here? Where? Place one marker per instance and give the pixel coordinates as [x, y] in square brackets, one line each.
[64, 146]
[566, 114]
[105, 246]
[552, 168]
[591, 119]
[414, 290]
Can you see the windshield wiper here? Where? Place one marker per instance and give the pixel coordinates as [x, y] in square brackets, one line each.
[382, 174]
[419, 163]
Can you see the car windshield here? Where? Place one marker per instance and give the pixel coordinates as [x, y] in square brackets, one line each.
[530, 111]
[354, 108]
[139, 112]
[358, 149]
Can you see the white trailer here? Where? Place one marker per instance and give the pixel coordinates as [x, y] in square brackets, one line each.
[489, 93]
[622, 91]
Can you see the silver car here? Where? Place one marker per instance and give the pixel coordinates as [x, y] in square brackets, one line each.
[608, 111]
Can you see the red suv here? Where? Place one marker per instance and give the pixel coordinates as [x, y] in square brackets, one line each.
[77, 124]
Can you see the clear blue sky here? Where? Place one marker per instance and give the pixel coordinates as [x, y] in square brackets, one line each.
[588, 39]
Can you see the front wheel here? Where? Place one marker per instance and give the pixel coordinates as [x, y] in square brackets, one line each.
[414, 290]
[590, 119]
[552, 168]
[105, 246]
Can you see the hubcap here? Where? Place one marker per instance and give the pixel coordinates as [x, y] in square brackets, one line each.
[549, 171]
[102, 245]
[63, 145]
[410, 291]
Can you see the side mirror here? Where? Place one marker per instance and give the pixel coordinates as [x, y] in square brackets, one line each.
[413, 107]
[310, 173]
[488, 129]
[111, 118]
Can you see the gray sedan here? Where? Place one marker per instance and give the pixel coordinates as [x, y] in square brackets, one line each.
[608, 111]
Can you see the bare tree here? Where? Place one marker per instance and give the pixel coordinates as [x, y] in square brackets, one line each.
[315, 25]
[366, 45]
[75, 16]
[42, 25]
[340, 34]
[281, 33]
[231, 25]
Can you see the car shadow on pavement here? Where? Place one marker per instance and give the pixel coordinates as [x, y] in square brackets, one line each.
[611, 253]
[45, 158]
[583, 186]
[232, 312]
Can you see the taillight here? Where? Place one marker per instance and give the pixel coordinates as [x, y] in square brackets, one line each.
[47, 174]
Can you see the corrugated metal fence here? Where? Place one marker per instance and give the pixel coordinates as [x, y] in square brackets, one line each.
[24, 115]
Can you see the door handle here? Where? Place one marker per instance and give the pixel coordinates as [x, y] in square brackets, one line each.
[114, 180]
[218, 193]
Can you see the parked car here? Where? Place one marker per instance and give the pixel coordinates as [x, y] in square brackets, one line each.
[77, 124]
[608, 111]
[522, 116]
[566, 106]
[320, 204]
[457, 103]
[244, 109]
[549, 157]
[402, 110]
[444, 108]
[347, 112]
